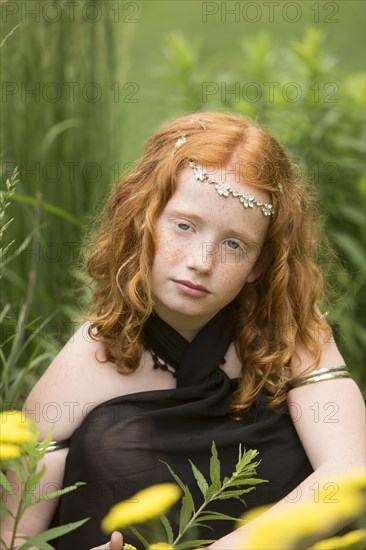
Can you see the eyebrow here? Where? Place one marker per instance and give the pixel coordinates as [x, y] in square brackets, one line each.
[239, 234]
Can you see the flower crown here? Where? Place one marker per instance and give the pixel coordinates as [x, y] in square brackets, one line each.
[222, 188]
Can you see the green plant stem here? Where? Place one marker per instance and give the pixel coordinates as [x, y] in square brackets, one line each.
[17, 517]
[204, 504]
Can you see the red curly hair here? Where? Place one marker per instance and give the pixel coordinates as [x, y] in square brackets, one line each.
[274, 312]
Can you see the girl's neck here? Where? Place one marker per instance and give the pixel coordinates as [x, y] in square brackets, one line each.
[187, 326]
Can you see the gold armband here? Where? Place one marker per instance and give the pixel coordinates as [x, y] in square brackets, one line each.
[327, 373]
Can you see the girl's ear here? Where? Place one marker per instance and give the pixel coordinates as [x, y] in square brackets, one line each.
[261, 264]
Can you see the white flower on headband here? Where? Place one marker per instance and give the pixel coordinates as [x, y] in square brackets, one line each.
[247, 201]
[223, 189]
[199, 173]
[180, 141]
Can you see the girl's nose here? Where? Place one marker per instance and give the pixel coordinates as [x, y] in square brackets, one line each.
[202, 257]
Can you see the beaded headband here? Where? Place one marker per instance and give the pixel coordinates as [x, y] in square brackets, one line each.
[222, 188]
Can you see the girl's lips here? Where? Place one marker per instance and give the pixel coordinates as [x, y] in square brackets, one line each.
[191, 289]
[192, 285]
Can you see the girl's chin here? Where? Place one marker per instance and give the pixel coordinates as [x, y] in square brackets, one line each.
[186, 313]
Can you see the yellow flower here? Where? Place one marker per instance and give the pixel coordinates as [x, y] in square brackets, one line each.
[160, 546]
[348, 483]
[149, 503]
[349, 540]
[252, 514]
[127, 546]
[15, 429]
[338, 501]
[9, 450]
[307, 519]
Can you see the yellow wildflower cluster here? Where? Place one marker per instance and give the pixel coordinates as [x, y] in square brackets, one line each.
[155, 546]
[350, 540]
[311, 519]
[15, 430]
[144, 505]
[161, 546]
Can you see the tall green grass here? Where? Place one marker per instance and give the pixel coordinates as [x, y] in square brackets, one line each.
[61, 124]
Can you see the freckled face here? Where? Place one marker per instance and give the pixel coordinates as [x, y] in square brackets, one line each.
[206, 249]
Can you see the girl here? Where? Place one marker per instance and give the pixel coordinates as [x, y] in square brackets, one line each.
[205, 326]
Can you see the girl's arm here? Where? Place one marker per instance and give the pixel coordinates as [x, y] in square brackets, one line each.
[329, 417]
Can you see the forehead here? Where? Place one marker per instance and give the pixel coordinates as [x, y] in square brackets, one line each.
[202, 199]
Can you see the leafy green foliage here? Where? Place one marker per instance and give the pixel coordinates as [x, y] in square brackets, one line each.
[66, 160]
[243, 479]
[29, 475]
[19, 337]
[22, 337]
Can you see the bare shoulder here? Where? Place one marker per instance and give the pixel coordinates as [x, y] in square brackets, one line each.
[330, 355]
[73, 384]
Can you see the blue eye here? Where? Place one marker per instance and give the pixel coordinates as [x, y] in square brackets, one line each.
[235, 247]
[183, 226]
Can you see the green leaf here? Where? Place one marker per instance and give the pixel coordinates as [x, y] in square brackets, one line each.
[353, 213]
[215, 468]
[48, 207]
[168, 528]
[193, 543]
[186, 510]
[245, 458]
[41, 545]
[234, 494]
[200, 478]
[56, 494]
[6, 485]
[55, 131]
[4, 312]
[56, 532]
[35, 478]
[210, 515]
[177, 479]
[31, 487]
[20, 249]
[198, 524]
[351, 248]
[247, 490]
[17, 466]
[246, 481]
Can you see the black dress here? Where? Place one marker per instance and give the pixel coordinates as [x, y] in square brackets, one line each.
[118, 448]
